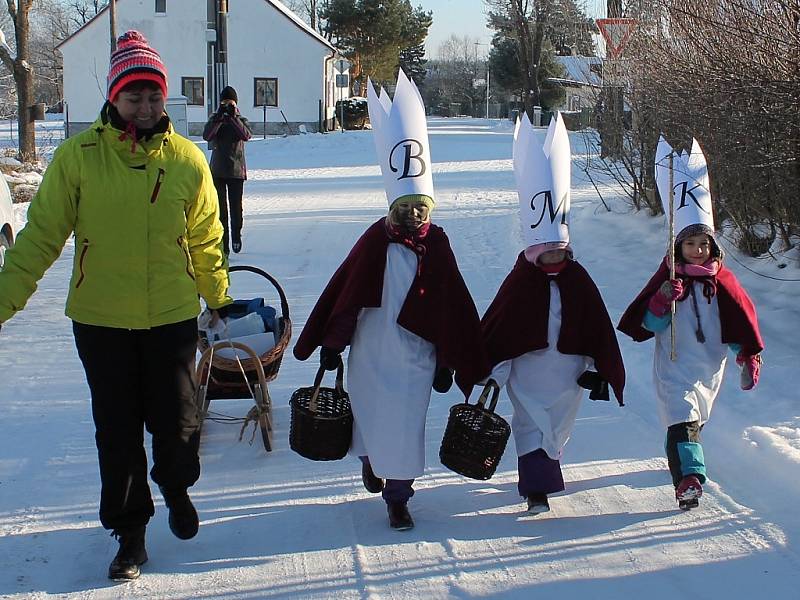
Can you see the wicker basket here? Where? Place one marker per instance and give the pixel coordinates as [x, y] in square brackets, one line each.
[322, 422]
[226, 379]
[475, 437]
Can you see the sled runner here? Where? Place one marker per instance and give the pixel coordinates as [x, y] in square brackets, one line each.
[235, 369]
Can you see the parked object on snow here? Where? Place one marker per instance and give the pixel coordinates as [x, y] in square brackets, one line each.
[241, 367]
[7, 227]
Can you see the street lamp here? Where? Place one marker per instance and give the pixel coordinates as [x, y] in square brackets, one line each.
[487, 75]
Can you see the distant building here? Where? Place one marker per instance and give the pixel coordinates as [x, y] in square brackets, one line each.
[260, 47]
[582, 81]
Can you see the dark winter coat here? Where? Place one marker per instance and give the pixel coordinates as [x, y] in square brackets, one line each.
[226, 134]
[438, 308]
[516, 321]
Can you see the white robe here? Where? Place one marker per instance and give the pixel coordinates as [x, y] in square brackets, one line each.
[687, 387]
[543, 390]
[390, 374]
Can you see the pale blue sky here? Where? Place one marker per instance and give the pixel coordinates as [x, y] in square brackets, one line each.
[467, 17]
[460, 17]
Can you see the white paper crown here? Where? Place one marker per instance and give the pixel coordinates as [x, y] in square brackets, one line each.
[692, 199]
[542, 174]
[401, 139]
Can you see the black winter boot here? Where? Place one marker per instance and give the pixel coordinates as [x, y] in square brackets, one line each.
[183, 520]
[372, 482]
[131, 554]
[538, 504]
[399, 517]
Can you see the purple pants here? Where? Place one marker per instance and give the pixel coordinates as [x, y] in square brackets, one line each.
[539, 474]
[394, 490]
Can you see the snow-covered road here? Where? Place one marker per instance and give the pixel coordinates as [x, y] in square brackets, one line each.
[278, 526]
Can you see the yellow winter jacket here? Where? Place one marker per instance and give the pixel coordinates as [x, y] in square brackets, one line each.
[147, 232]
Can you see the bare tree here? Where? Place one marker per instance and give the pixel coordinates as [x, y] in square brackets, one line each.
[727, 73]
[305, 9]
[18, 61]
[525, 21]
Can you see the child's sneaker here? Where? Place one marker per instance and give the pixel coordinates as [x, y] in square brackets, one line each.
[538, 504]
[688, 492]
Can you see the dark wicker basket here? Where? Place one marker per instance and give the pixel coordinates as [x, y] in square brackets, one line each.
[475, 437]
[322, 422]
[226, 377]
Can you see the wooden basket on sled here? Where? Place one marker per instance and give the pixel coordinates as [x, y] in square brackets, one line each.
[226, 380]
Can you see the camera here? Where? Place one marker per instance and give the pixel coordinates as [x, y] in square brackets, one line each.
[229, 109]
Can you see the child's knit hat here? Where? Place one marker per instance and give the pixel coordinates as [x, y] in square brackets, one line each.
[532, 253]
[426, 200]
[134, 60]
[697, 229]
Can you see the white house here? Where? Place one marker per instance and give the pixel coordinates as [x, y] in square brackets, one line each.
[283, 70]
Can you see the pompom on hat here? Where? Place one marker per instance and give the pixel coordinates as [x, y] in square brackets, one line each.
[134, 60]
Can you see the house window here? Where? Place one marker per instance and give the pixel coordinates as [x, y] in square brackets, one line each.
[161, 7]
[266, 91]
[192, 88]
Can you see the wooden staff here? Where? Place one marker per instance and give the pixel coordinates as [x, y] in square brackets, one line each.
[673, 355]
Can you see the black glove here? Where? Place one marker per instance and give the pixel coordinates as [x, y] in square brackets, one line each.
[597, 386]
[443, 380]
[330, 358]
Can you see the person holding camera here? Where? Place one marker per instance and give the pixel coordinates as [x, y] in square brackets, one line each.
[226, 132]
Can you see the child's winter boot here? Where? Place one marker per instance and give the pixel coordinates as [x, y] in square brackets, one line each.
[399, 517]
[372, 482]
[538, 504]
[688, 492]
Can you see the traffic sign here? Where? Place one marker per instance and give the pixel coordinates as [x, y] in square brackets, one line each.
[616, 33]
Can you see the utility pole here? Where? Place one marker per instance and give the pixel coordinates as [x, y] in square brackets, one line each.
[112, 23]
[487, 73]
[611, 125]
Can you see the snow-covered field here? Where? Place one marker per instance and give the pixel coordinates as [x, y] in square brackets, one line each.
[278, 526]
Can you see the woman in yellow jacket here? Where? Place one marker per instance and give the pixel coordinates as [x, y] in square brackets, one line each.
[142, 205]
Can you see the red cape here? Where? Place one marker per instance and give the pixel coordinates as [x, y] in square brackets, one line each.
[438, 307]
[737, 314]
[516, 321]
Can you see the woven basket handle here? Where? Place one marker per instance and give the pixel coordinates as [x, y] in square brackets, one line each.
[312, 405]
[491, 386]
[206, 359]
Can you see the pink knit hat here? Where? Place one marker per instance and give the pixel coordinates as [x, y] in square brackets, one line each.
[532, 253]
[134, 60]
